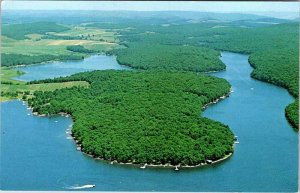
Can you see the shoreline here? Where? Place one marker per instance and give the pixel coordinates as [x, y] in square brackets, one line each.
[218, 99]
[144, 166]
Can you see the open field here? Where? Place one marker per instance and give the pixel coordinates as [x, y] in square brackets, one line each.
[32, 43]
[41, 87]
[88, 33]
[7, 73]
[55, 43]
[14, 89]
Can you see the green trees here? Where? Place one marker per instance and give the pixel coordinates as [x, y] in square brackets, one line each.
[169, 57]
[143, 116]
[18, 31]
[79, 48]
[291, 112]
[20, 59]
[279, 67]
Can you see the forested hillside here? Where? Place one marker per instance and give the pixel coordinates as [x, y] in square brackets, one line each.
[143, 117]
[169, 57]
[19, 59]
[19, 31]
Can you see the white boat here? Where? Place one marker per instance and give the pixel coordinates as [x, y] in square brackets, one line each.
[56, 121]
[144, 166]
[209, 161]
[176, 168]
[235, 138]
[236, 142]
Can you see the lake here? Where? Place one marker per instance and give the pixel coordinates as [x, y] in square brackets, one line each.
[37, 153]
[57, 69]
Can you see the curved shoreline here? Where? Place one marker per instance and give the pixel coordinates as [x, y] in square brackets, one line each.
[166, 166]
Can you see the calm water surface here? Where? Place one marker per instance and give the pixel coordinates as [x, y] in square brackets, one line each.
[57, 69]
[38, 154]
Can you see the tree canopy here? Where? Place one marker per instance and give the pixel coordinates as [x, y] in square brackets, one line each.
[143, 117]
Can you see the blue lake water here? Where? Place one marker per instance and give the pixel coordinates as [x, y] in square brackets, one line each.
[38, 154]
[57, 69]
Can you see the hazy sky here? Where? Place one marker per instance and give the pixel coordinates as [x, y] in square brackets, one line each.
[155, 6]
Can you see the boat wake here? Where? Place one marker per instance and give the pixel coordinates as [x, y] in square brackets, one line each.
[81, 187]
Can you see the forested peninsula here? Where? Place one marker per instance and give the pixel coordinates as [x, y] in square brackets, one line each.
[148, 117]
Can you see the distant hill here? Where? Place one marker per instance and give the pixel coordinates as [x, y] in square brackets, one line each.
[152, 17]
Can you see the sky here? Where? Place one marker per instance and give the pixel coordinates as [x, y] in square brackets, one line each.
[224, 7]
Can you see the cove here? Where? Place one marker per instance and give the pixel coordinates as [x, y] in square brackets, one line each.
[37, 153]
[57, 69]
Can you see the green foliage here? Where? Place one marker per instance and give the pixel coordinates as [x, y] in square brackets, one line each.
[279, 67]
[292, 114]
[252, 40]
[79, 48]
[19, 59]
[19, 31]
[143, 116]
[167, 57]
[60, 37]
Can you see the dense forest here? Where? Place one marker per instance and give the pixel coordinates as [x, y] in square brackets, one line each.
[143, 116]
[291, 112]
[79, 48]
[19, 31]
[167, 57]
[19, 59]
[277, 67]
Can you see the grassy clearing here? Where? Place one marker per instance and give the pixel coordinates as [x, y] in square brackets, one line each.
[14, 89]
[41, 87]
[10, 92]
[7, 73]
[78, 42]
[89, 33]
